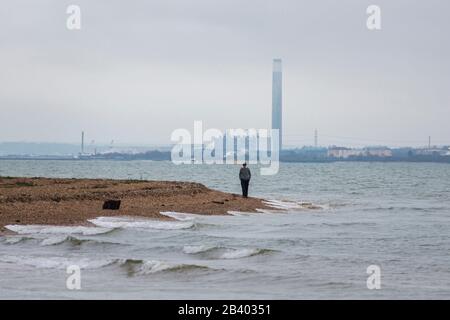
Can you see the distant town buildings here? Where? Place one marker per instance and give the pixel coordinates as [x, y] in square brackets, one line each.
[345, 153]
[303, 154]
[432, 151]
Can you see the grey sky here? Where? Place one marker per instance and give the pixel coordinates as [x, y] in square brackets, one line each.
[140, 69]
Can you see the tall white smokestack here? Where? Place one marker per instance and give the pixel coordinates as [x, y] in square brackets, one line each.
[277, 120]
[82, 142]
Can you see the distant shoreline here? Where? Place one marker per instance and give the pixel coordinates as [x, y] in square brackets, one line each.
[382, 160]
[49, 201]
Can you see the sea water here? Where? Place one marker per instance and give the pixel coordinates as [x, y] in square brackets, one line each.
[391, 215]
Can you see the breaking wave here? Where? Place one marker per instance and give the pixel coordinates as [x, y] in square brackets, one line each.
[45, 229]
[345, 224]
[56, 240]
[133, 267]
[15, 239]
[290, 205]
[179, 216]
[217, 252]
[240, 213]
[144, 267]
[56, 262]
[197, 249]
[72, 241]
[140, 223]
[243, 253]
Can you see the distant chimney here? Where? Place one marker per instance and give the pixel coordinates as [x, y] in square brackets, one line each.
[277, 122]
[82, 142]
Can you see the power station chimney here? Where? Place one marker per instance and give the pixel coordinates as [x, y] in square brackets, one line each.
[82, 142]
[277, 122]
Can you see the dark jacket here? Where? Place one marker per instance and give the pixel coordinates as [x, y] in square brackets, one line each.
[245, 174]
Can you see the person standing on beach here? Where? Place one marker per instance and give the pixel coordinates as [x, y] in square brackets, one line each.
[245, 175]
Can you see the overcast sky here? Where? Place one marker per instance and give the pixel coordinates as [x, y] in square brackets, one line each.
[137, 70]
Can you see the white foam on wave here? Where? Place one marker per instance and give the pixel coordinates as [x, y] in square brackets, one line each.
[135, 267]
[144, 267]
[152, 266]
[14, 240]
[239, 253]
[45, 229]
[179, 215]
[277, 204]
[240, 213]
[53, 240]
[196, 249]
[269, 211]
[218, 252]
[290, 205]
[56, 262]
[140, 223]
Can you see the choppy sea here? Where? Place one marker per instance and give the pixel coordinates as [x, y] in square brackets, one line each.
[392, 215]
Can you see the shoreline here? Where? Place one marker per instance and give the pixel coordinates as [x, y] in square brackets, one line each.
[71, 202]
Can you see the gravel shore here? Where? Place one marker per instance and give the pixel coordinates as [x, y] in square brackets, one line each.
[73, 201]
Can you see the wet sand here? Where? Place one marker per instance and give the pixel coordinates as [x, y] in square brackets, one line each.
[72, 201]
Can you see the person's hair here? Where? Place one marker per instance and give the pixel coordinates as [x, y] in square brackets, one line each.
[244, 164]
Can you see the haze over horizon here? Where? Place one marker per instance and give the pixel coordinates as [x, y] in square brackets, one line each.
[135, 73]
